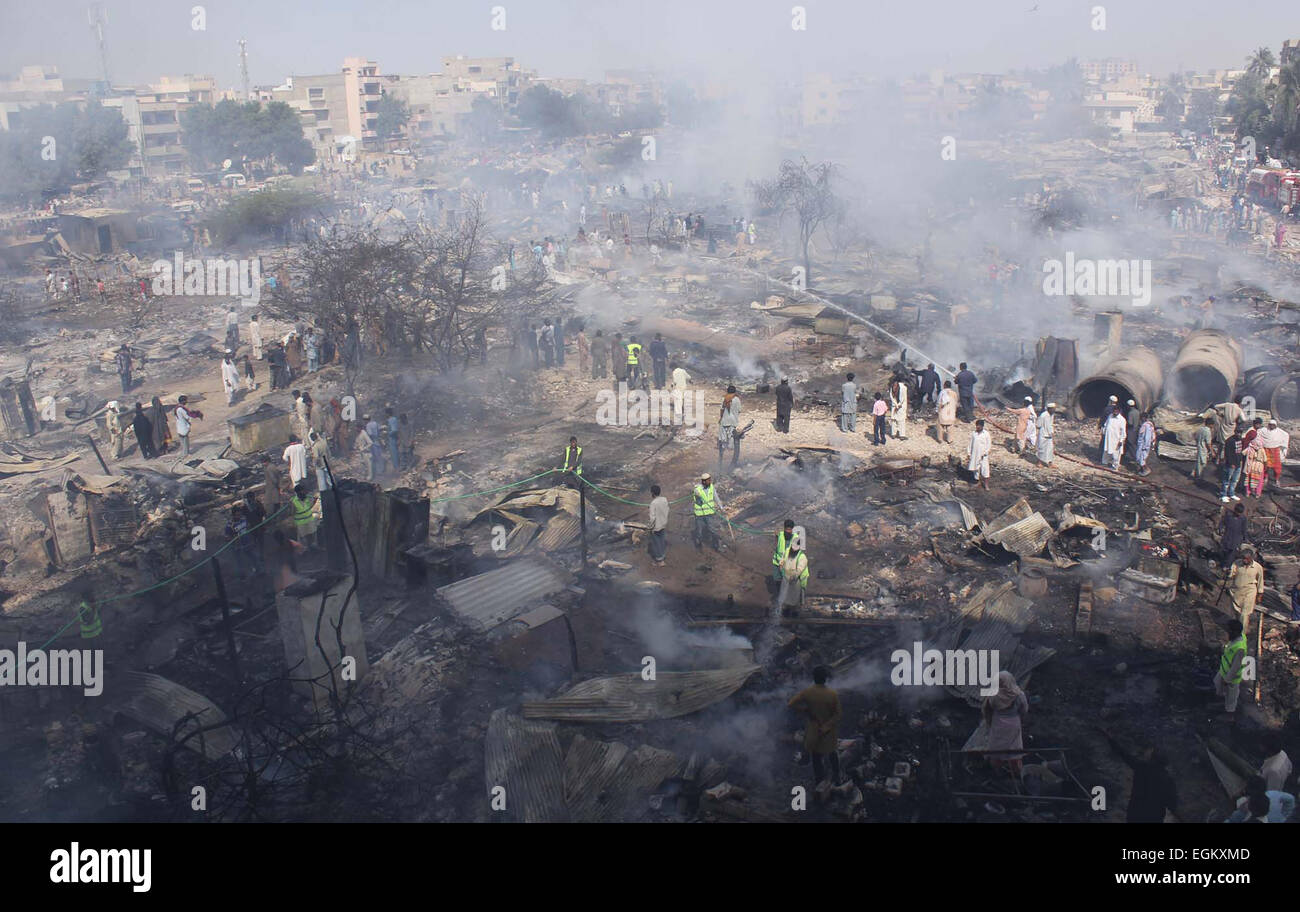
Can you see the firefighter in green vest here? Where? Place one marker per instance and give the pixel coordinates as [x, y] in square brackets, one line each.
[1227, 680]
[782, 546]
[633, 363]
[794, 573]
[705, 504]
[305, 520]
[572, 462]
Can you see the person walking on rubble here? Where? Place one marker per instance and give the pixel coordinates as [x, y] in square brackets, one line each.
[599, 355]
[1113, 439]
[1146, 441]
[1046, 433]
[821, 734]
[184, 416]
[947, 416]
[1227, 679]
[705, 505]
[367, 448]
[849, 405]
[927, 384]
[1245, 584]
[658, 526]
[571, 469]
[784, 405]
[1132, 424]
[306, 519]
[584, 353]
[1003, 715]
[1275, 441]
[681, 382]
[794, 574]
[729, 427]
[977, 455]
[143, 432]
[966, 381]
[898, 409]
[122, 360]
[229, 378]
[1231, 458]
[255, 336]
[1024, 418]
[659, 360]
[116, 434]
[1204, 447]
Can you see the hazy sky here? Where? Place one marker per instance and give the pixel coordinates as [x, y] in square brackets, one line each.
[717, 38]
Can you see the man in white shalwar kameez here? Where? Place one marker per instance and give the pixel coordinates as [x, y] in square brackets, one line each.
[255, 336]
[229, 378]
[898, 409]
[1113, 442]
[981, 444]
[1046, 449]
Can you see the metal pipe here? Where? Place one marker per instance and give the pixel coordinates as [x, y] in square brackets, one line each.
[1206, 370]
[1135, 375]
[1274, 391]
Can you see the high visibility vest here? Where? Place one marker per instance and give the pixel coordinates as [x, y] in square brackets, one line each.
[1230, 653]
[782, 546]
[302, 510]
[705, 503]
[91, 625]
[577, 460]
[801, 568]
[633, 350]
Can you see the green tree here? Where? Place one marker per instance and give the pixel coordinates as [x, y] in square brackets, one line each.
[393, 114]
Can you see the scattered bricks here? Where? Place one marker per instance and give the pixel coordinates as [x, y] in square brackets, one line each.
[854, 530]
[893, 786]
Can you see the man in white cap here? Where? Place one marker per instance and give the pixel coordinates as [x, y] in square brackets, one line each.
[1275, 441]
[705, 505]
[1046, 431]
[1107, 413]
[1112, 443]
[1025, 418]
[229, 377]
[116, 438]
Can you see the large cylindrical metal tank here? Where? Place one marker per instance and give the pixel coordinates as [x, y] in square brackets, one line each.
[1206, 370]
[1135, 375]
[1274, 390]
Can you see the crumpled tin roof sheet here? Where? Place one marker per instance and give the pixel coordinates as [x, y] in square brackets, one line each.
[158, 703]
[482, 602]
[594, 782]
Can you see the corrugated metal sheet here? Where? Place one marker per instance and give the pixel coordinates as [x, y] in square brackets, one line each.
[595, 782]
[561, 531]
[1025, 538]
[1019, 529]
[999, 616]
[629, 698]
[486, 600]
[158, 703]
[525, 758]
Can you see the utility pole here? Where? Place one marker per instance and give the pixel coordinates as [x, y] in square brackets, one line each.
[98, 17]
[243, 68]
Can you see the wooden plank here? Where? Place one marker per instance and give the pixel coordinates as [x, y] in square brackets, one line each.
[1083, 616]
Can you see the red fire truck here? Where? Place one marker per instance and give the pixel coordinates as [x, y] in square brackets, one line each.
[1273, 187]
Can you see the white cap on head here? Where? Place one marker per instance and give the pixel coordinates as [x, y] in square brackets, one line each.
[1051, 405]
[1131, 402]
[1114, 398]
[1029, 399]
[1272, 422]
[706, 477]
